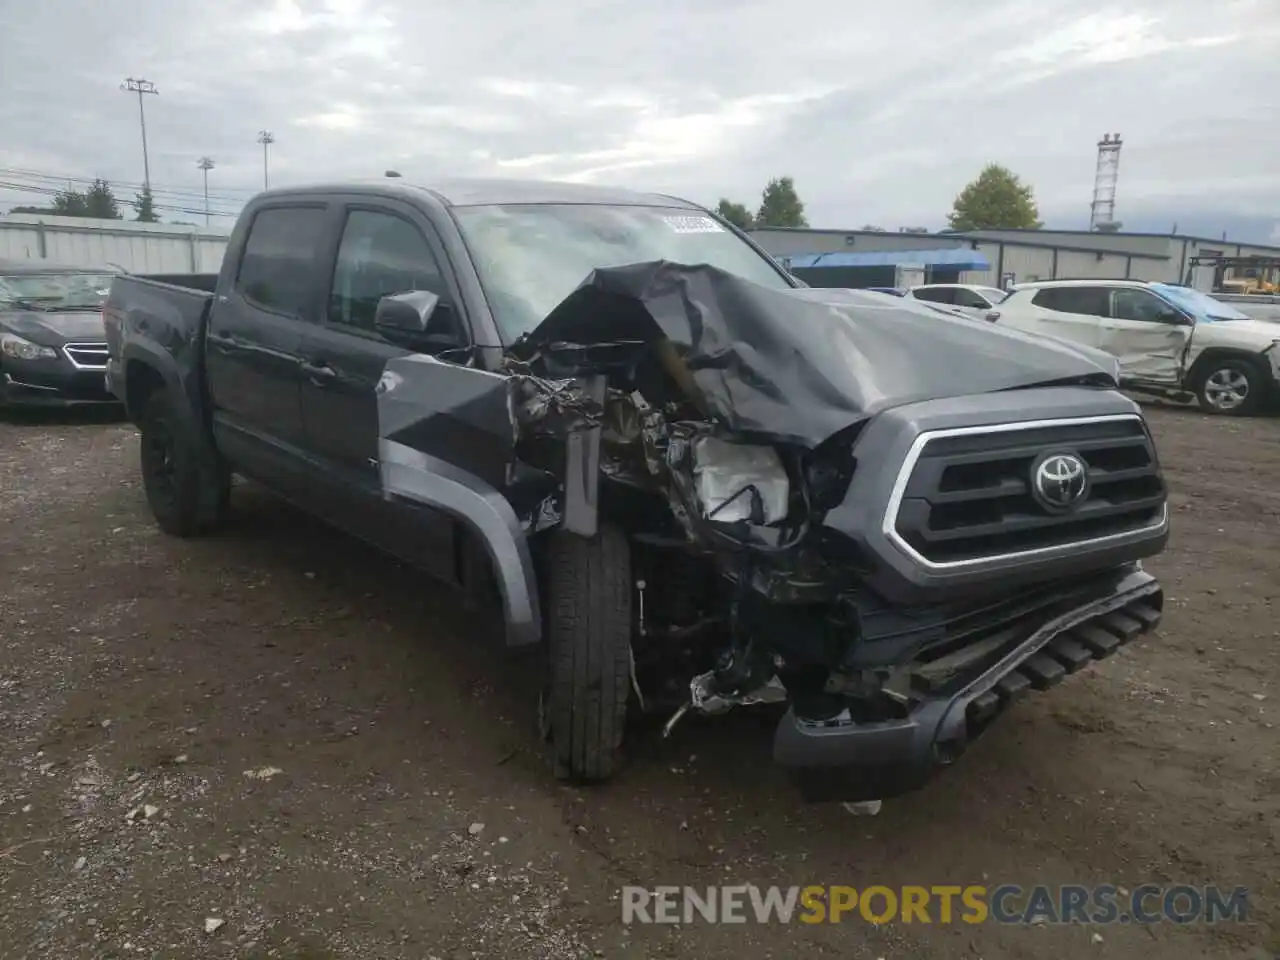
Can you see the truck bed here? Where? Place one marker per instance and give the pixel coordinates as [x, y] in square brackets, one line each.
[162, 317]
[208, 282]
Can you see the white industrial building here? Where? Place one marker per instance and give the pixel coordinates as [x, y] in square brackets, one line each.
[867, 258]
[136, 247]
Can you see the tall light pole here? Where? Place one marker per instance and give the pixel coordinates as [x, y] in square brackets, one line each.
[205, 165]
[266, 138]
[141, 88]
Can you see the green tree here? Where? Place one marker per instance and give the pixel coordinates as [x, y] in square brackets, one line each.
[100, 202]
[996, 200]
[736, 213]
[145, 206]
[780, 205]
[70, 203]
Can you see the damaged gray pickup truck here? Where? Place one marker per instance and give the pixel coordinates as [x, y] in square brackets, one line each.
[694, 483]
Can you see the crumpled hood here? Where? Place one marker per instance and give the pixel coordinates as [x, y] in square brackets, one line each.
[54, 329]
[799, 365]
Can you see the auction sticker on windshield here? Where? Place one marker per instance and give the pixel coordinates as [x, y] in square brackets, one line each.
[693, 224]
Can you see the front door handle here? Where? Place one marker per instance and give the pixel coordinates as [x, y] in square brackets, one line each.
[320, 374]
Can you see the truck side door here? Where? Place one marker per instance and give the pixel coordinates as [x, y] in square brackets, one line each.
[1147, 335]
[265, 301]
[380, 249]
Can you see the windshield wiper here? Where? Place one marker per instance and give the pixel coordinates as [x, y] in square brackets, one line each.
[73, 308]
[26, 304]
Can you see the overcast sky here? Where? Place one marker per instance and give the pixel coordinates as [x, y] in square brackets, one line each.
[880, 111]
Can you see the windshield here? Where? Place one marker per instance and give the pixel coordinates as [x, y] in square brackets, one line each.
[531, 256]
[1201, 305]
[54, 291]
[992, 294]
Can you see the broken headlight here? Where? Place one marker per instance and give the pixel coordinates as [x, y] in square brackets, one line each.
[737, 481]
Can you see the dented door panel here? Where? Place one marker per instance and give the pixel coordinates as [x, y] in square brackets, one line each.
[1150, 352]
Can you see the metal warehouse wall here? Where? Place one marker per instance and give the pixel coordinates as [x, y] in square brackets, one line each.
[1092, 266]
[783, 242]
[1033, 254]
[1164, 270]
[1028, 263]
[138, 247]
[1156, 246]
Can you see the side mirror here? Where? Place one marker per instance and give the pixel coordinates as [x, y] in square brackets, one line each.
[1175, 318]
[417, 320]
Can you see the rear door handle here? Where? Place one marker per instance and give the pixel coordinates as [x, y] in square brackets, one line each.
[320, 374]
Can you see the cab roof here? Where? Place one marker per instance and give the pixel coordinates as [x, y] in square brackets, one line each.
[471, 192]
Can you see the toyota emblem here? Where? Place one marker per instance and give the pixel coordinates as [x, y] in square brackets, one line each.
[1060, 481]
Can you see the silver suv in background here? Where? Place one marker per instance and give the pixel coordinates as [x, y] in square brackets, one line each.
[1169, 339]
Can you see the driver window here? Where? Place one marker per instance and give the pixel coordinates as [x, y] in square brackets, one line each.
[379, 255]
[1138, 305]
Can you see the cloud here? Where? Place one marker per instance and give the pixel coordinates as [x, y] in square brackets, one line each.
[879, 117]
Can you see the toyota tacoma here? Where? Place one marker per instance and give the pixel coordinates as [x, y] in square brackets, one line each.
[693, 483]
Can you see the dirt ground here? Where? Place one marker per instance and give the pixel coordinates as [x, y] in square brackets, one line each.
[282, 730]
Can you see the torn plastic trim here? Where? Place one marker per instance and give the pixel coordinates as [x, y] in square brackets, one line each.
[426, 479]
[581, 512]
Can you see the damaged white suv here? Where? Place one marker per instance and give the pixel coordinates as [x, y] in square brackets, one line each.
[1169, 339]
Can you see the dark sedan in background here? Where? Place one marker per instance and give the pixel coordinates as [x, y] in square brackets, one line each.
[53, 351]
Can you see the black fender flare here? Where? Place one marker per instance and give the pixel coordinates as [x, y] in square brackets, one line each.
[137, 357]
[422, 478]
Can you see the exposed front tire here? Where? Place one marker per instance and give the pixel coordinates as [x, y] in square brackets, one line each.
[584, 704]
[1231, 387]
[188, 487]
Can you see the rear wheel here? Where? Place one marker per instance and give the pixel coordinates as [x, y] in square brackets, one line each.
[188, 487]
[1231, 386]
[584, 701]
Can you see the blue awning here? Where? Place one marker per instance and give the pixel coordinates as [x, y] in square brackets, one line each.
[957, 258]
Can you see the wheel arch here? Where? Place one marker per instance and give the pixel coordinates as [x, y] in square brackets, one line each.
[1204, 363]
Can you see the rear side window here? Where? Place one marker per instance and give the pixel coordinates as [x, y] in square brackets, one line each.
[1089, 301]
[279, 258]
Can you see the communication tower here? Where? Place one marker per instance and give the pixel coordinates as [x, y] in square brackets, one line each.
[1102, 213]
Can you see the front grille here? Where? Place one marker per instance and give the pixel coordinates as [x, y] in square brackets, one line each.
[87, 356]
[969, 493]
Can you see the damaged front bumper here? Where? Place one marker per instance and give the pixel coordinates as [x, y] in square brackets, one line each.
[842, 760]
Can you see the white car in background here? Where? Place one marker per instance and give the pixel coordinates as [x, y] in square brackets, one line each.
[1169, 339]
[1258, 306]
[969, 297]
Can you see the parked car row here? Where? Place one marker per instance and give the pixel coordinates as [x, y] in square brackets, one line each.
[1170, 340]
